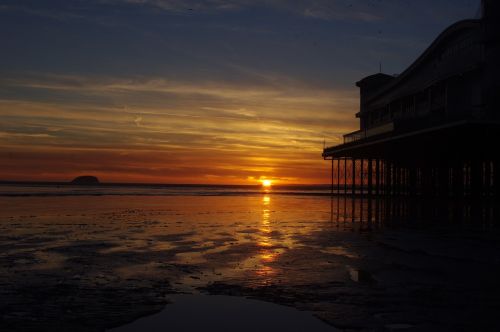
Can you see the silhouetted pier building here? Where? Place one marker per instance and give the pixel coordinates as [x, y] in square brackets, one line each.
[434, 129]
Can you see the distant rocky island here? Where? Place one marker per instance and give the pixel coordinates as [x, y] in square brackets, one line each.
[85, 179]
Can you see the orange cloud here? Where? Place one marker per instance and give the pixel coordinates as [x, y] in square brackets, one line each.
[155, 130]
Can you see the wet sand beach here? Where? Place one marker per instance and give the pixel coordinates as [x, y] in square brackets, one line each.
[91, 263]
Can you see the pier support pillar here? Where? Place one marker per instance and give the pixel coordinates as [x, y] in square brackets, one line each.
[443, 180]
[387, 178]
[333, 168]
[353, 177]
[345, 176]
[428, 181]
[395, 179]
[399, 180]
[412, 180]
[370, 177]
[476, 179]
[338, 176]
[487, 178]
[458, 179]
[496, 178]
[377, 176]
[361, 175]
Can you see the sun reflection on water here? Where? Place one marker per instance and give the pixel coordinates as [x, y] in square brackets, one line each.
[268, 252]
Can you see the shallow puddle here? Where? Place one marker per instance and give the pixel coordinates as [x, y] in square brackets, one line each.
[225, 313]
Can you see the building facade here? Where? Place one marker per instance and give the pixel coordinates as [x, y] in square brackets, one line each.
[431, 128]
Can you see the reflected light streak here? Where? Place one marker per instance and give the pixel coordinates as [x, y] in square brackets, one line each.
[266, 254]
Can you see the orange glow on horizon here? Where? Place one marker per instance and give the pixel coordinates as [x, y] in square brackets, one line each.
[267, 183]
[110, 165]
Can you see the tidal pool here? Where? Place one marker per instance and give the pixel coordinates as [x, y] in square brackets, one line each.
[225, 313]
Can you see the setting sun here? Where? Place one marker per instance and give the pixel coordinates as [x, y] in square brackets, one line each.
[266, 183]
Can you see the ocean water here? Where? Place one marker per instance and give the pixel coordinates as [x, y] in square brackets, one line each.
[65, 189]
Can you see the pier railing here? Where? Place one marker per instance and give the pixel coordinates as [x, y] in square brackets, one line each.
[362, 134]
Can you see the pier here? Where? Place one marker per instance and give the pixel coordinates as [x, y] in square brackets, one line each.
[431, 131]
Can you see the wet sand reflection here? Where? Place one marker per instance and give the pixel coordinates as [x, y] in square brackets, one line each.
[354, 262]
[267, 247]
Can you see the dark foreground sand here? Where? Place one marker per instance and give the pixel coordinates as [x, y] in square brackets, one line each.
[94, 263]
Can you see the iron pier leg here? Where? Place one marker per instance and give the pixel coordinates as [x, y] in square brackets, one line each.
[332, 177]
[353, 177]
[388, 178]
[476, 179]
[412, 185]
[377, 177]
[397, 180]
[427, 181]
[487, 178]
[370, 177]
[458, 179]
[496, 178]
[338, 176]
[345, 176]
[443, 180]
[361, 175]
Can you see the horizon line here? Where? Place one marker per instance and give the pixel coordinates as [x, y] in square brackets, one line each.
[155, 184]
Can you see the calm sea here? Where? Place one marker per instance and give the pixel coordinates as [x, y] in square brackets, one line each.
[63, 189]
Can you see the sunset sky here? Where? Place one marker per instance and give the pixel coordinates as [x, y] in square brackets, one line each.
[216, 91]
